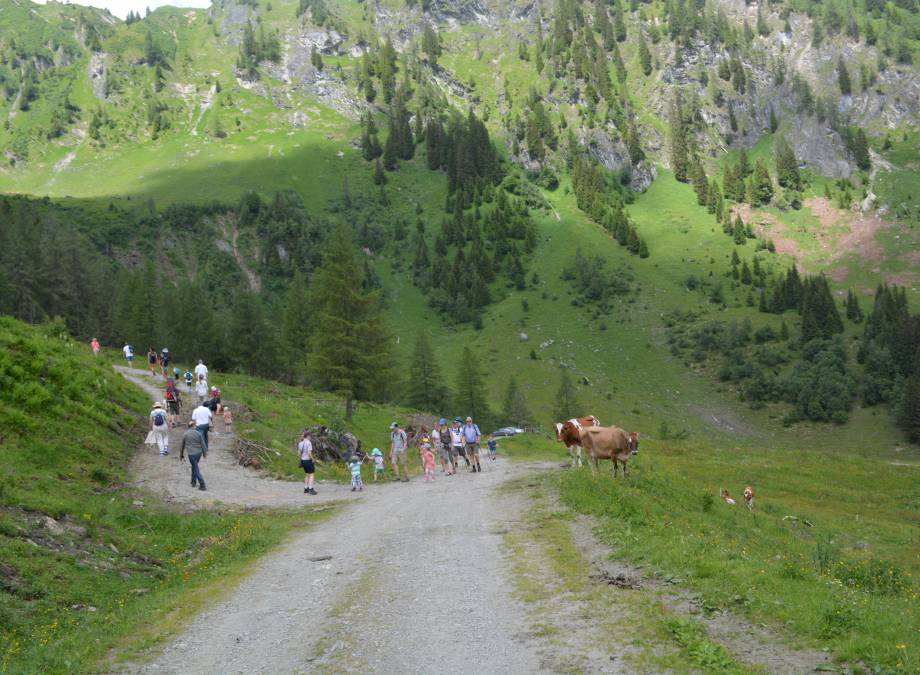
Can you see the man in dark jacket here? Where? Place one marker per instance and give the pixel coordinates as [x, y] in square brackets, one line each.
[194, 443]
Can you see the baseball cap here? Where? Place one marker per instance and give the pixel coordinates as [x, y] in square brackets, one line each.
[394, 425]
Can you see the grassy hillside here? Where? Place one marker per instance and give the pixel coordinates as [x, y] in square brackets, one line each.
[827, 555]
[92, 567]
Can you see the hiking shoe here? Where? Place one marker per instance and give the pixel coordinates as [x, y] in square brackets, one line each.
[194, 484]
[353, 489]
[202, 488]
[312, 491]
[405, 480]
[306, 491]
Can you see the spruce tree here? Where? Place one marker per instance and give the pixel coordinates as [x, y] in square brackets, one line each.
[680, 160]
[251, 335]
[515, 408]
[296, 326]
[470, 397]
[645, 56]
[909, 413]
[350, 355]
[820, 318]
[861, 150]
[762, 184]
[843, 78]
[425, 389]
[567, 405]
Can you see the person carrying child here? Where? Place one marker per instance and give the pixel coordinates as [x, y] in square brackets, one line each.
[379, 464]
[355, 466]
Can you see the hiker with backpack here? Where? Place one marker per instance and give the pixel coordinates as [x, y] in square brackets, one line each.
[164, 361]
[471, 437]
[128, 351]
[152, 361]
[159, 429]
[173, 402]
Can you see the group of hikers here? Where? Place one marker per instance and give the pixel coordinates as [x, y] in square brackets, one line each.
[449, 442]
[165, 416]
[446, 443]
[195, 438]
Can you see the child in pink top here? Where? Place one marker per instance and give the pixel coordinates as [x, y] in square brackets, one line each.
[428, 462]
[228, 421]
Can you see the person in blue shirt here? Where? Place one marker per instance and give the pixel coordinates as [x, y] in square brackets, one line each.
[471, 438]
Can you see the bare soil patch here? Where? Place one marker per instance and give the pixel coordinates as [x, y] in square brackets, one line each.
[770, 227]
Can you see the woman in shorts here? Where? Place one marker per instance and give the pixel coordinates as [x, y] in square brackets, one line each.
[305, 447]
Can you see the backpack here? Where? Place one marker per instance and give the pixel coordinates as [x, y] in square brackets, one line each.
[159, 418]
[170, 392]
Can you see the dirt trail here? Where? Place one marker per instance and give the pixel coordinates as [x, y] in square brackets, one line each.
[409, 579]
[227, 481]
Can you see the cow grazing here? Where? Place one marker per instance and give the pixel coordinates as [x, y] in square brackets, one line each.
[610, 443]
[749, 497]
[569, 433]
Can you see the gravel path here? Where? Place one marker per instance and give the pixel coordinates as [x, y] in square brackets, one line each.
[409, 579]
[227, 481]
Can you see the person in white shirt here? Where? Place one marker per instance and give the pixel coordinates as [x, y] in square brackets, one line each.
[201, 369]
[201, 416]
[305, 448]
[128, 351]
[201, 389]
[159, 427]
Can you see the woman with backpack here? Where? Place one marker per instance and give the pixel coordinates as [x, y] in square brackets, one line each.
[152, 361]
[159, 429]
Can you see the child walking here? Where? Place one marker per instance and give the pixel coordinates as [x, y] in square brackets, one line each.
[379, 466]
[355, 466]
[228, 421]
[428, 462]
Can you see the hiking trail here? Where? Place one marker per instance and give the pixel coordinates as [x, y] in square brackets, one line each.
[227, 481]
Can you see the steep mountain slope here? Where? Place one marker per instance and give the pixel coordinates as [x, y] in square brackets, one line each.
[587, 102]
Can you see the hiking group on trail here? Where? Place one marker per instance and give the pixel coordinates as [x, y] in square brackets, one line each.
[445, 443]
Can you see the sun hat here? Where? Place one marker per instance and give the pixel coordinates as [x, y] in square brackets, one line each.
[442, 421]
[457, 419]
[425, 439]
[394, 425]
[157, 404]
[376, 451]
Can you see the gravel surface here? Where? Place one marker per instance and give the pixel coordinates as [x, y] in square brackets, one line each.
[227, 481]
[408, 579]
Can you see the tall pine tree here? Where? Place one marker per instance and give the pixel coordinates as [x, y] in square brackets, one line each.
[350, 348]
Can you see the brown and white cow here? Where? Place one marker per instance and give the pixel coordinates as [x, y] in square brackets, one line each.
[609, 443]
[569, 433]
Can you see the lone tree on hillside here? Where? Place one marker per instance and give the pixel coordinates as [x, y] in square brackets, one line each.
[350, 353]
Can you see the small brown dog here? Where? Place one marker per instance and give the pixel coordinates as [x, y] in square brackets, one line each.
[727, 498]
